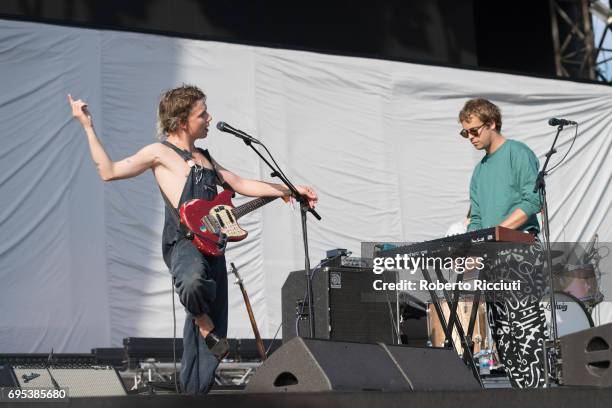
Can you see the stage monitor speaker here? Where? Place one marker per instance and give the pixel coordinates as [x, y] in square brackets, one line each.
[346, 306]
[306, 365]
[91, 381]
[586, 357]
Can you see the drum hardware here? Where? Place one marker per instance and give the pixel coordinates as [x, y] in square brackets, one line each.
[579, 281]
[552, 362]
[572, 316]
[577, 288]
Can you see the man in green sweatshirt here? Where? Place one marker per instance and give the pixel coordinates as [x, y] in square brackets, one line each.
[501, 194]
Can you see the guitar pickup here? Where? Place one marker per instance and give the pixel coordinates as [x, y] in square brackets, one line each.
[229, 215]
[210, 224]
[221, 223]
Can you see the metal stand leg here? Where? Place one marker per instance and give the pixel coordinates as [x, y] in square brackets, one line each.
[468, 357]
[467, 354]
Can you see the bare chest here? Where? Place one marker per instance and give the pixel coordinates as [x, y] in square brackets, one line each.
[173, 172]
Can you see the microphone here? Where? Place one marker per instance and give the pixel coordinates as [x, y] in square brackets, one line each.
[561, 122]
[224, 127]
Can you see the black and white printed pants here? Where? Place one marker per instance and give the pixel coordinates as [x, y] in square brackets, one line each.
[516, 319]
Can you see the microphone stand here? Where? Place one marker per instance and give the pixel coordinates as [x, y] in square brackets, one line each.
[540, 185]
[304, 208]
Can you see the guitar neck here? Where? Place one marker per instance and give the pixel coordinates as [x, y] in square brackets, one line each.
[252, 205]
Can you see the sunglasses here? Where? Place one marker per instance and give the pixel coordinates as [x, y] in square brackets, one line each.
[472, 131]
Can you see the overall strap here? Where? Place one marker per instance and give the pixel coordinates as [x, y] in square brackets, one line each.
[188, 157]
[212, 163]
[185, 155]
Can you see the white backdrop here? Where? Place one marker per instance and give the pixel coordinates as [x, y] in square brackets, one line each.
[80, 260]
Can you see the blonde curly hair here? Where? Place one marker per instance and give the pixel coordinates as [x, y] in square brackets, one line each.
[484, 110]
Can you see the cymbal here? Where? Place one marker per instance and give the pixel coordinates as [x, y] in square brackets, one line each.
[585, 271]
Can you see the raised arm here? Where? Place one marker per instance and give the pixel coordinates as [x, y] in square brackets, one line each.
[107, 169]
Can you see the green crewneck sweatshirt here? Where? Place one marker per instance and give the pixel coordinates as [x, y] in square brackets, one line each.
[502, 182]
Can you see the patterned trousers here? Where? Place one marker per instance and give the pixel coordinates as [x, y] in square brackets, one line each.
[516, 319]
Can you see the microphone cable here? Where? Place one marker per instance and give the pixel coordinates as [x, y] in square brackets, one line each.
[566, 153]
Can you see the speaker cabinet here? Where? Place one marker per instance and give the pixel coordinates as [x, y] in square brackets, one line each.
[586, 357]
[92, 381]
[346, 306]
[306, 365]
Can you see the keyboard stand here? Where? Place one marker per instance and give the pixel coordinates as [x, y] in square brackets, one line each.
[468, 355]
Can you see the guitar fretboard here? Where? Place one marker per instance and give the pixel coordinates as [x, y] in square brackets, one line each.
[251, 206]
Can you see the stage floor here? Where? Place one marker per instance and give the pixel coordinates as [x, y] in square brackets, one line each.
[553, 397]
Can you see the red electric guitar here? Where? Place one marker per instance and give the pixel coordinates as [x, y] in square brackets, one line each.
[215, 222]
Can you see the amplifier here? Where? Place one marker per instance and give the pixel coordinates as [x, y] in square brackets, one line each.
[345, 261]
[80, 381]
[346, 306]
